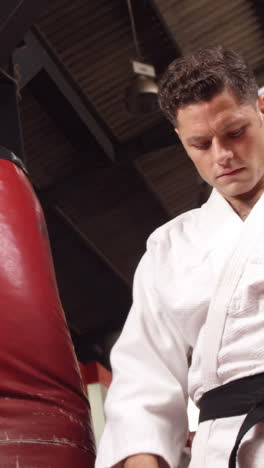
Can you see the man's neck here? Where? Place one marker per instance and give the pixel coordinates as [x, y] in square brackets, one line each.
[242, 208]
[244, 203]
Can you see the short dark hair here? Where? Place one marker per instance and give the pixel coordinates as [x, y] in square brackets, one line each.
[201, 75]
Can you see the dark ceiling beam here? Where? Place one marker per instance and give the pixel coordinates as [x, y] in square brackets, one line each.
[29, 64]
[155, 138]
[258, 6]
[10, 129]
[55, 104]
[16, 17]
[159, 48]
[97, 204]
[153, 190]
[38, 55]
[90, 244]
[95, 301]
[43, 57]
[171, 39]
[157, 45]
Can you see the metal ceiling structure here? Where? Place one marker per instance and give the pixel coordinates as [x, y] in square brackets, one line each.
[107, 179]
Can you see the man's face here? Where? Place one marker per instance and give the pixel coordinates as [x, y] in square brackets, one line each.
[225, 141]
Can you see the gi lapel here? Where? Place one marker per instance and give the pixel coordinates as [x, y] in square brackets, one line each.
[251, 234]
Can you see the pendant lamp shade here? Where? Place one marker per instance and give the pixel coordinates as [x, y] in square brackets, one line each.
[141, 95]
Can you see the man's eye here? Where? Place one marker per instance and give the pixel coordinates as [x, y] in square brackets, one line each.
[202, 146]
[236, 133]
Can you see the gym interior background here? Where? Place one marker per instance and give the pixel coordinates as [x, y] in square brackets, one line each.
[106, 176]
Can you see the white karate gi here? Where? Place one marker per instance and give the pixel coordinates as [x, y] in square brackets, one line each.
[174, 282]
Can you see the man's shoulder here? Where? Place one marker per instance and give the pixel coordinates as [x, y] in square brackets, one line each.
[184, 226]
[175, 246]
[194, 227]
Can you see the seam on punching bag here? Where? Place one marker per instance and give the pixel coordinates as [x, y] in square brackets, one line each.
[45, 442]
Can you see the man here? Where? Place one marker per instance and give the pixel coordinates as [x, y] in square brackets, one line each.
[199, 288]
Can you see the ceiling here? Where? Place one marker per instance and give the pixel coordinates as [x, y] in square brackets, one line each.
[107, 179]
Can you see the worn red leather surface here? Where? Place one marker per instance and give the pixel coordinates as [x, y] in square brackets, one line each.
[44, 415]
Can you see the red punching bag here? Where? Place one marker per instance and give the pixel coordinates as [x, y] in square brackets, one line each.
[44, 415]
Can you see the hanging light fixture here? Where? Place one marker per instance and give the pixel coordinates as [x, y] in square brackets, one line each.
[141, 94]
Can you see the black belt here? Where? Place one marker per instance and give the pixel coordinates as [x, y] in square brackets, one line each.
[243, 396]
[10, 156]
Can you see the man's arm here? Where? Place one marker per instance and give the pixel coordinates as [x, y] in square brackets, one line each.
[146, 403]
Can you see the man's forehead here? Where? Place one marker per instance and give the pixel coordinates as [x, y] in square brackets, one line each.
[233, 122]
[222, 110]
[197, 124]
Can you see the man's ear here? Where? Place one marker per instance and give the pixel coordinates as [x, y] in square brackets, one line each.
[260, 103]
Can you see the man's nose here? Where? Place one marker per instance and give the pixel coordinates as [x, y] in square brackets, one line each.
[222, 154]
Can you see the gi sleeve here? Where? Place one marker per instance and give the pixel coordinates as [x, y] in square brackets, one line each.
[146, 403]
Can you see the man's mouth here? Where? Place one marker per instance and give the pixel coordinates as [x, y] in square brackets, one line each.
[230, 173]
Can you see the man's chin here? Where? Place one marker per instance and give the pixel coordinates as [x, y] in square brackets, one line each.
[235, 190]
